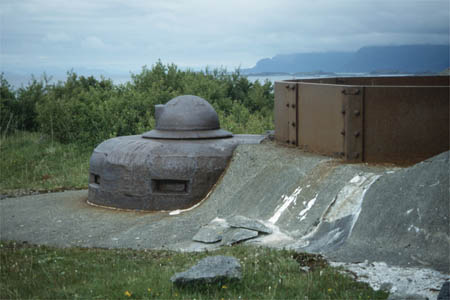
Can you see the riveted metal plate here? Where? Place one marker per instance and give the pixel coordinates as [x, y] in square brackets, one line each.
[286, 112]
[353, 98]
[400, 120]
[292, 115]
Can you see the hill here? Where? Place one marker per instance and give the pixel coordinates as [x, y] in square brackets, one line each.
[387, 59]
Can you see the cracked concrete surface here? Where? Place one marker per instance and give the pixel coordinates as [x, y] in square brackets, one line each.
[350, 213]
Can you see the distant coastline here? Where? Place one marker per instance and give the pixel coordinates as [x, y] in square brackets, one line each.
[409, 59]
[332, 74]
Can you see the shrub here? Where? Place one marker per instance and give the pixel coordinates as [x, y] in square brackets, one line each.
[86, 110]
[8, 106]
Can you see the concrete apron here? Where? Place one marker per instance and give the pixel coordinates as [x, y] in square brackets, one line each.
[364, 216]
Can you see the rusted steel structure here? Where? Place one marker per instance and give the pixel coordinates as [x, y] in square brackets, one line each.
[365, 119]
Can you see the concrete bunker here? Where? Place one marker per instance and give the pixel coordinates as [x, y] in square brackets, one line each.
[171, 167]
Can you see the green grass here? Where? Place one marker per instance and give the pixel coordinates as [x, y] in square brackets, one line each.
[28, 271]
[33, 162]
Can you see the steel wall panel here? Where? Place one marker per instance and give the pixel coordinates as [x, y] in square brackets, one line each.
[320, 118]
[405, 124]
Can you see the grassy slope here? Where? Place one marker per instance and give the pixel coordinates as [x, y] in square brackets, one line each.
[30, 161]
[42, 272]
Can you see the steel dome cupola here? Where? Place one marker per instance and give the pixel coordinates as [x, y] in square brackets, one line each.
[186, 117]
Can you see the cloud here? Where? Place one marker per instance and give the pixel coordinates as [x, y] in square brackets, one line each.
[93, 42]
[57, 37]
[197, 33]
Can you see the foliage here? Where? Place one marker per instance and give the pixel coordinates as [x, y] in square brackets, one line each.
[86, 110]
[32, 162]
[41, 272]
[18, 108]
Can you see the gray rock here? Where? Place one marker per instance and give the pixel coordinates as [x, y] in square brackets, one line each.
[210, 270]
[239, 235]
[209, 234]
[386, 286]
[244, 222]
[406, 297]
[444, 294]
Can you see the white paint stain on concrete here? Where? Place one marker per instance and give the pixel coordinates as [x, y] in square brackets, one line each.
[419, 281]
[350, 197]
[347, 202]
[277, 238]
[309, 205]
[409, 211]
[415, 228]
[179, 211]
[435, 184]
[219, 221]
[287, 200]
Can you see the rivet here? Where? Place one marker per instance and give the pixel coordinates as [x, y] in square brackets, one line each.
[356, 134]
[287, 104]
[293, 124]
[293, 105]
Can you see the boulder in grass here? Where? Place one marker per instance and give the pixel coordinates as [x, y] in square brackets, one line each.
[211, 269]
[444, 294]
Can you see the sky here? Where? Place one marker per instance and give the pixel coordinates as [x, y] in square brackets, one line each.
[122, 36]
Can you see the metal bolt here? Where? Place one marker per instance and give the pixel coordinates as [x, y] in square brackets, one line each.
[293, 105]
[293, 124]
[356, 134]
[356, 112]
[287, 104]
[343, 132]
[350, 91]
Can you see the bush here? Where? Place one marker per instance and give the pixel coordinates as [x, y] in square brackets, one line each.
[86, 110]
[18, 108]
[8, 106]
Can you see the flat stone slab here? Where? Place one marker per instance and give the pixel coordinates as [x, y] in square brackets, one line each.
[209, 234]
[210, 270]
[247, 223]
[237, 235]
